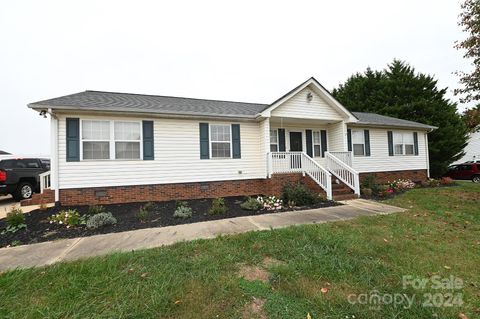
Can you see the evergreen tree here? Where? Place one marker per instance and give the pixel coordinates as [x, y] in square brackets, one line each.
[400, 92]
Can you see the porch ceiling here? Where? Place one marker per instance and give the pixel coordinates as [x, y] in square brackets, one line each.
[299, 121]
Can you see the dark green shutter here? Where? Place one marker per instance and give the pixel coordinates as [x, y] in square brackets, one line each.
[390, 143]
[323, 139]
[309, 143]
[204, 142]
[236, 141]
[281, 140]
[73, 140]
[415, 142]
[349, 140]
[148, 144]
[366, 133]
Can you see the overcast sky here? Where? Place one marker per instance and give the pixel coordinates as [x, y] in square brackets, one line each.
[252, 51]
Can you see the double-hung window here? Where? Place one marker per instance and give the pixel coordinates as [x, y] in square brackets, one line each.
[358, 142]
[96, 139]
[273, 141]
[220, 141]
[317, 148]
[103, 140]
[403, 143]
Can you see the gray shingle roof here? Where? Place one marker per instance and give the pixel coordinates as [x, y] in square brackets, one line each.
[126, 102]
[382, 120]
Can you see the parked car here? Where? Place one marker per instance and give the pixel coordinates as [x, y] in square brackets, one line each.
[20, 176]
[468, 170]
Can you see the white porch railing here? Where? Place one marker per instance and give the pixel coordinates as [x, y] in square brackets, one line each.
[44, 181]
[343, 172]
[300, 162]
[345, 157]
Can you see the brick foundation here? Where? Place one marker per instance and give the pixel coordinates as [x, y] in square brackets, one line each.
[385, 177]
[48, 196]
[182, 191]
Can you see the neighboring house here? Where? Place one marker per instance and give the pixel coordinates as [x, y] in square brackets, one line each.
[4, 153]
[116, 147]
[472, 150]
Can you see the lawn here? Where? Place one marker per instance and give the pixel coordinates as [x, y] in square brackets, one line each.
[287, 273]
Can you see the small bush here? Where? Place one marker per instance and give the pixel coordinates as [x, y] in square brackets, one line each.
[94, 210]
[150, 207]
[251, 204]
[15, 217]
[272, 202]
[384, 191]
[218, 207]
[445, 181]
[371, 182]
[434, 182]
[69, 218]
[180, 203]
[299, 194]
[101, 220]
[367, 192]
[143, 214]
[401, 185]
[183, 212]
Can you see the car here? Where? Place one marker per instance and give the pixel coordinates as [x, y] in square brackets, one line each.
[466, 171]
[19, 177]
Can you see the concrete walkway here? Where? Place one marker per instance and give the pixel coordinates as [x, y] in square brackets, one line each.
[7, 204]
[71, 249]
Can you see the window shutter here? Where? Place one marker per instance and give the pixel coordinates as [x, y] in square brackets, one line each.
[309, 142]
[323, 139]
[73, 139]
[390, 143]
[281, 140]
[236, 141]
[349, 140]
[204, 142]
[366, 133]
[148, 145]
[415, 142]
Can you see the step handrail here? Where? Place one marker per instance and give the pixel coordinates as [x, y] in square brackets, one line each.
[318, 173]
[343, 172]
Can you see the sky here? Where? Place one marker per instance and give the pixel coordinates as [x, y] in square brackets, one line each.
[249, 51]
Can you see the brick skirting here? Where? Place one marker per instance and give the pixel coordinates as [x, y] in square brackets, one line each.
[182, 191]
[385, 177]
[48, 196]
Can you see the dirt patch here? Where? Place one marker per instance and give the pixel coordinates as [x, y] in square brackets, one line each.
[251, 273]
[254, 309]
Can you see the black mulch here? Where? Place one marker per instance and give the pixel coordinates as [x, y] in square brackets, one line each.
[39, 229]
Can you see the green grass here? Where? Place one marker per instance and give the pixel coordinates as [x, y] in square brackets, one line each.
[439, 235]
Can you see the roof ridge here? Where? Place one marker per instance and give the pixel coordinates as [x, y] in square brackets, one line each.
[175, 97]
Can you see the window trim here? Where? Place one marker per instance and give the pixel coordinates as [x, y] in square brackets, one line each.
[210, 141]
[270, 140]
[111, 140]
[403, 144]
[353, 144]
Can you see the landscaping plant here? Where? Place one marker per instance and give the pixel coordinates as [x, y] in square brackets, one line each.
[183, 212]
[69, 218]
[401, 185]
[101, 220]
[150, 206]
[143, 214]
[15, 221]
[271, 202]
[180, 203]
[218, 207]
[299, 194]
[97, 209]
[251, 204]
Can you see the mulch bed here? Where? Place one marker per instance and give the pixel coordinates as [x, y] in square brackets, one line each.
[39, 229]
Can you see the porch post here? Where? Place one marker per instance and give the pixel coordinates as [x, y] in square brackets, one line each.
[265, 133]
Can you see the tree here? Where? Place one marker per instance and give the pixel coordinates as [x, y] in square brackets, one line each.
[470, 21]
[471, 117]
[400, 92]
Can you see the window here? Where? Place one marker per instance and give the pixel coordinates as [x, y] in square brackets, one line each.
[220, 141]
[96, 139]
[273, 141]
[317, 148]
[358, 142]
[127, 140]
[403, 143]
[103, 140]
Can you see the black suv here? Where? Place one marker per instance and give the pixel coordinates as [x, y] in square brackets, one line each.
[19, 176]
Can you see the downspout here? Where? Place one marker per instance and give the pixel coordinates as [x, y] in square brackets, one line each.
[54, 154]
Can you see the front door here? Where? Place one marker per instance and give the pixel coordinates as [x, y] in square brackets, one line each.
[296, 145]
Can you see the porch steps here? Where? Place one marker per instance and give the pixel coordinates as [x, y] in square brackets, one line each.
[340, 191]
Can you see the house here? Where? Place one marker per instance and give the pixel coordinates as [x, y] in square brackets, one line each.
[116, 147]
[472, 150]
[4, 153]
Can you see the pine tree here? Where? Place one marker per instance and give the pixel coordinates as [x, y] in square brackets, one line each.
[400, 92]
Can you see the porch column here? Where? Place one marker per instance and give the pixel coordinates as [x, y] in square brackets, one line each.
[265, 143]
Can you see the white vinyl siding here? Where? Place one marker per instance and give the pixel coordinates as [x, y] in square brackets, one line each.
[177, 159]
[380, 161]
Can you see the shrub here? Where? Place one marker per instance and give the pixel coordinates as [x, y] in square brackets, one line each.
[401, 185]
[143, 214]
[218, 207]
[68, 218]
[367, 192]
[94, 210]
[100, 220]
[15, 217]
[446, 181]
[251, 204]
[371, 182]
[272, 202]
[434, 182]
[384, 191]
[183, 212]
[180, 203]
[299, 194]
[425, 183]
[150, 206]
